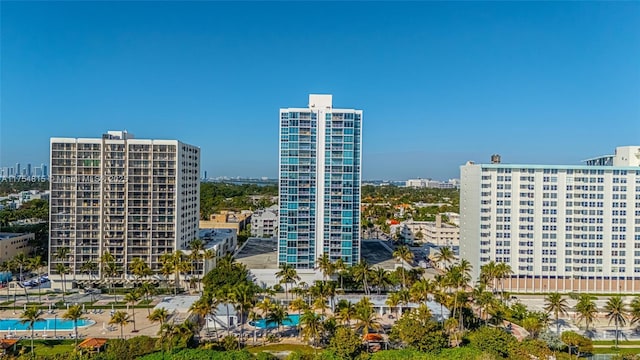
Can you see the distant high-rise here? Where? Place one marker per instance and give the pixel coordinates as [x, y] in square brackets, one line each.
[29, 173]
[18, 173]
[319, 208]
[44, 170]
[130, 197]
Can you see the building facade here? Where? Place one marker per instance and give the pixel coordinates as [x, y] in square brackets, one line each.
[264, 222]
[434, 232]
[12, 244]
[560, 228]
[227, 220]
[132, 198]
[319, 183]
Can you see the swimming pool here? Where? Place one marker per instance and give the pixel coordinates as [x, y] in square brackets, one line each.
[293, 320]
[45, 324]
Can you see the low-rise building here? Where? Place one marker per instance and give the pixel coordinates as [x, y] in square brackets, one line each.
[264, 222]
[227, 220]
[434, 232]
[11, 244]
[219, 242]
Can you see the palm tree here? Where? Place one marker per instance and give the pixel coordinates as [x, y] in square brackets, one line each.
[345, 311]
[420, 290]
[287, 275]
[139, 268]
[586, 309]
[554, 303]
[380, 279]
[503, 271]
[277, 315]
[616, 312]
[89, 267]
[488, 274]
[31, 316]
[106, 259]
[444, 256]
[485, 301]
[340, 268]
[403, 254]
[326, 266]
[159, 315]
[148, 290]
[132, 298]
[634, 310]
[202, 308]
[393, 301]
[366, 317]
[311, 324]
[62, 270]
[74, 313]
[197, 248]
[120, 318]
[36, 264]
[298, 305]
[361, 272]
[244, 296]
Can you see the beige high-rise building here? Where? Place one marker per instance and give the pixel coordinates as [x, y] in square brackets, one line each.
[133, 198]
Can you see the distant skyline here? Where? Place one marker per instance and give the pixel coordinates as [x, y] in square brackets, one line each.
[440, 83]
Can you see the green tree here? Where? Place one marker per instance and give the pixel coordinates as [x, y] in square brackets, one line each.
[493, 340]
[311, 327]
[159, 315]
[121, 319]
[362, 273]
[634, 310]
[586, 309]
[74, 313]
[139, 268]
[366, 317]
[616, 312]
[31, 316]
[345, 343]
[298, 305]
[416, 330]
[380, 279]
[326, 266]
[573, 340]
[62, 270]
[403, 254]
[277, 315]
[287, 275]
[444, 256]
[202, 308]
[148, 290]
[132, 298]
[554, 303]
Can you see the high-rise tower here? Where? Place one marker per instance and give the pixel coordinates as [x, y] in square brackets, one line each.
[133, 198]
[319, 183]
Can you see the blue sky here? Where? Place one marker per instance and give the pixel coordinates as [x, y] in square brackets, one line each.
[439, 83]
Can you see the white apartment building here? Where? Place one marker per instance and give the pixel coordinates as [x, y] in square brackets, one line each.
[319, 183]
[433, 184]
[133, 198]
[434, 232]
[264, 222]
[560, 227]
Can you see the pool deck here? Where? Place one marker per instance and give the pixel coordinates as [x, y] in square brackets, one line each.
[143, 325]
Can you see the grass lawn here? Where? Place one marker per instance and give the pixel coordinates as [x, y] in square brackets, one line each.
[305, 349]
[49, 347]
[610, 350]
[612, 342]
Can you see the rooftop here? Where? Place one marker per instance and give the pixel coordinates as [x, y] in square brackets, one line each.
[5, 235]
[262, 253]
